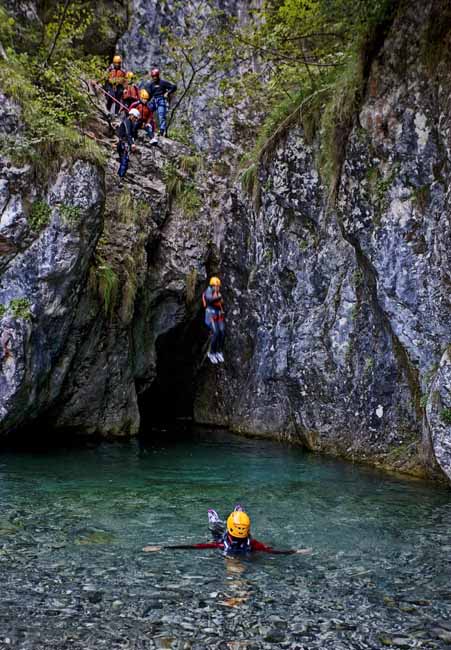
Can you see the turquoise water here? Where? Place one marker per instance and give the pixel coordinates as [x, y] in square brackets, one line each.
[73, 524]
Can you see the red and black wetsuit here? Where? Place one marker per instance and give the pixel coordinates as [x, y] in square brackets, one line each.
[130, 95]
[146, 120]
[232, 546]
[214, 317]
[114, 86]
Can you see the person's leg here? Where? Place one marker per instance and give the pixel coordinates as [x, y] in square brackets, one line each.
[161, 111]
[216, 525]
[212, 345]
[122, 150]
[118, 96]
[214, 336]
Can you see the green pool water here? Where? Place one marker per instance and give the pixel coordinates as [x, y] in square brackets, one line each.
[73, 523]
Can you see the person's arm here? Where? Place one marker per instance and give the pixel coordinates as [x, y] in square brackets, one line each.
[264, 548]
[169, 88]
[149, 118]
[212, 297]
[151, 549]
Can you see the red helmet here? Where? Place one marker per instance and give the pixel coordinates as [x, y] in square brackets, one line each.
[155, 72]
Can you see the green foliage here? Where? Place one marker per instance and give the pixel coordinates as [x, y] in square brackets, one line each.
[107, 284]
[180, 186]
[20, 308]
[189, 200]
[70, 214]
[47, 82]
[337, 118]
[369, 365]
[173, 180]
[7, 29]
[128, 209]
[446, 416]
[379, 186]
[39, 216]
[182, 131]
[424, 401]
[190, 164]
[2, 310]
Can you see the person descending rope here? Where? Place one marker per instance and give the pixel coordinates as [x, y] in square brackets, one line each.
[126, 144]
[146, 120]
[160, 92]
[131, 90]
[233, 537]
[214, 319]
[115, 84]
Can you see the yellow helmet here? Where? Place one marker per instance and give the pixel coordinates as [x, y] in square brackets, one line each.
[215, 282]
[129, 74]
[117, 59]
[238, 524]
[143, 94]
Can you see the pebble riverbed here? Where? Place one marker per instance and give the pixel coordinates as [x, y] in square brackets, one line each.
[73, 523]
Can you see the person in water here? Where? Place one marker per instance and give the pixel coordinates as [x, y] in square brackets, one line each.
[233, 537]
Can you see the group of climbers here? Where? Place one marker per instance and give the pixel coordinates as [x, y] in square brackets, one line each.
[139, 103]
[150, 96]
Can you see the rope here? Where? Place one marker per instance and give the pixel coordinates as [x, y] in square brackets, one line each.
[113, 98]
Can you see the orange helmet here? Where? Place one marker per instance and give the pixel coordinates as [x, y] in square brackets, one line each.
[215, 282]
[130, 75]
[144, 95]
[238, 524]
[117, 59]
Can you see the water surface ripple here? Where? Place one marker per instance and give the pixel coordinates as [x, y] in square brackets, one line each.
[73, 523]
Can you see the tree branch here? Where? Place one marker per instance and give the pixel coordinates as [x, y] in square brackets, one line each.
[58, 32]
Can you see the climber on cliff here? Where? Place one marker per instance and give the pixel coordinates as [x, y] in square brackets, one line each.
[233, 537]
[126, 135]
[214, 319]
[146, 121]
[160, 92]
[131, 90]
[114, 85]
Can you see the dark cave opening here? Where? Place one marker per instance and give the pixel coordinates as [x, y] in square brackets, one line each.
[180, 356]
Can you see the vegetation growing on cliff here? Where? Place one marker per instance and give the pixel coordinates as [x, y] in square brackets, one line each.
[44, 66]
[319, 52]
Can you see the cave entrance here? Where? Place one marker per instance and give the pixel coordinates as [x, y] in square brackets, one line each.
[169, 401]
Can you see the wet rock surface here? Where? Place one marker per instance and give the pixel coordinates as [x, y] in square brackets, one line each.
[340, 314]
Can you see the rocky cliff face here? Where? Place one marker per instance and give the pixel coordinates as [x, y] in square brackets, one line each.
[338, 307]
[339, 327]
[47, 236]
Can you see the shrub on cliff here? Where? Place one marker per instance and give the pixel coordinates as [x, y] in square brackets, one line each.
[44, 67]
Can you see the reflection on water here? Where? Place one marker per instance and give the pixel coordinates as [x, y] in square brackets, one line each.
[73, 523]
